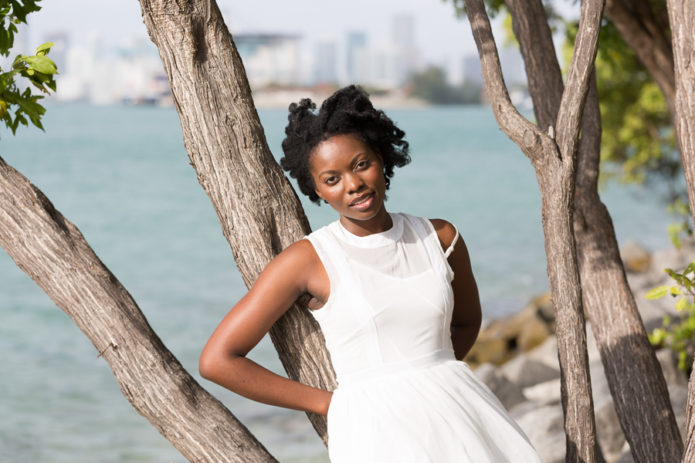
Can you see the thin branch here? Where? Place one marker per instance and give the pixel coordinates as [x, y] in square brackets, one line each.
[521, 131]
[569, 116]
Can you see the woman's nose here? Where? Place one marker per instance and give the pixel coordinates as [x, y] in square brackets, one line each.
[353, 182]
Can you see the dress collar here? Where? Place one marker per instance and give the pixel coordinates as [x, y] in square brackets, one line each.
[375, 239]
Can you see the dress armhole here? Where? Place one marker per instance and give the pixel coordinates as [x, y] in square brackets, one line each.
[435, 243]
[323, 258]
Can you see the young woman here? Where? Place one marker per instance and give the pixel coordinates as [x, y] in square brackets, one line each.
[394, 295]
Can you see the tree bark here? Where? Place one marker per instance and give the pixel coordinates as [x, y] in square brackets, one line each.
[259, 211]
[644, 33]
[634, 376]
[53, 252]
[682, 17]
[554, 159]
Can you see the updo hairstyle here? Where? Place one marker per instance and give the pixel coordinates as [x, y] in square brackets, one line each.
[347, 111]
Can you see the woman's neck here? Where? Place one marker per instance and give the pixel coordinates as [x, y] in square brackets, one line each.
[379, 223]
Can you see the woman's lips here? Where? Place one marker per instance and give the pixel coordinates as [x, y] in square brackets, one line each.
[363, 202]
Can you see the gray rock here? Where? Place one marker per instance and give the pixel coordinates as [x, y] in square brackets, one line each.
[546, 353]
[509, 393]
[679, 398]
[543, 426]
[546, 393]
[635, 257]
[625, 455]
[610, 434]
[526, 372]
[669, 365]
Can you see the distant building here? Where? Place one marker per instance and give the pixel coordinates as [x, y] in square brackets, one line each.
[269, 57]
[356, 56]
[471, 73]
[513, 67]
[325, 61]
[406, 57]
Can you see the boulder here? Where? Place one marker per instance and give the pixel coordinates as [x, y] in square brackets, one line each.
[669, 365]
[544, 427]
[546, 393]
[505, 338]
[635, 257]
[509, 393]
[546, 353]
[526, 372]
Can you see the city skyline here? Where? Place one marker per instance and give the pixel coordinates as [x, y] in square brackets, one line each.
[381, 50]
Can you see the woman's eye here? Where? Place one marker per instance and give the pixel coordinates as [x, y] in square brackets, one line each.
[362, 164]
[330, 180]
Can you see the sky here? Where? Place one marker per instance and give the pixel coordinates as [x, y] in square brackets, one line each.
[441, 37]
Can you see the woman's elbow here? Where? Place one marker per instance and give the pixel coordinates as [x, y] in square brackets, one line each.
[209, 364]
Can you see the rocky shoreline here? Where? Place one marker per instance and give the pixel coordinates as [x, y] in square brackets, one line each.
[516, 356]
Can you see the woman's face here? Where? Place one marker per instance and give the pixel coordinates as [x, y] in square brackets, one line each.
[349, 176]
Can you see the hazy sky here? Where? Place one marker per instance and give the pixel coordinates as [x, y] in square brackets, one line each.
[442, 38]
[438, 33]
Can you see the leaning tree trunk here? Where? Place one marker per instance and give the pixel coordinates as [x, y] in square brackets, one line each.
[259, 211]
[53, 252]
[634, 376]
[641, 29]
[554, 160]
[682, 16]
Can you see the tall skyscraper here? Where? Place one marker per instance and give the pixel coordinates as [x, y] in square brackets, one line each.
[325, 70]
[406, 58]
[356, 56]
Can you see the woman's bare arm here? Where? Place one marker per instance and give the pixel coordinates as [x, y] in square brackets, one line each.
[223, 359]
[467, 316]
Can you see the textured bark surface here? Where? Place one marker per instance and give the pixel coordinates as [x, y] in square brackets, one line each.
[644, 31]
[634, 376]
[682, 16]
[53, 252]
[259, 211]
[554, 159]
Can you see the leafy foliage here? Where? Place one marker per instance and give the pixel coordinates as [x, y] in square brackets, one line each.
[678, 335]
[638, 143]
[18, 105]
[431, 85]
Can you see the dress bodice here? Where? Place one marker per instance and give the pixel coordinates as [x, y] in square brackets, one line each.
[390, 302]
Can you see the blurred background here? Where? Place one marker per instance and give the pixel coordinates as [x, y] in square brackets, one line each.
[112, 161]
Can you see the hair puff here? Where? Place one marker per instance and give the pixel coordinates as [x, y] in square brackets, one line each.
[347, 111]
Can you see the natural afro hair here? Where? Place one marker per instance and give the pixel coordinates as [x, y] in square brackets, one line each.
[347, 111]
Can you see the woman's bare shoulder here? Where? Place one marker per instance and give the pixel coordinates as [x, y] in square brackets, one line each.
[446, 232]
[299, 255]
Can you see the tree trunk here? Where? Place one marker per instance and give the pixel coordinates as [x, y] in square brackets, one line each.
[554, 159]
[259, 211]
[682, 17]
[53, 252]
[645, 34]
[634, 376]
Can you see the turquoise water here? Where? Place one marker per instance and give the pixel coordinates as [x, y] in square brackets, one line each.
[122, 176]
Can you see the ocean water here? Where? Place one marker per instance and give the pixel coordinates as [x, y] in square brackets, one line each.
[121, 174]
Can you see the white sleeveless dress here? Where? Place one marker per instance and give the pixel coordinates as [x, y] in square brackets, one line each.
[402, 396]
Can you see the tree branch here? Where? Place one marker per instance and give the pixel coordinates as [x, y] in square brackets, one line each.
[522, 132]
[53, 252]
[569, 116]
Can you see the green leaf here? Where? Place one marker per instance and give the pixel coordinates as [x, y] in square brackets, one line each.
[44, 48]
[41, 64]
[658, 293]
[680, 305]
